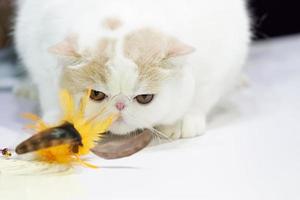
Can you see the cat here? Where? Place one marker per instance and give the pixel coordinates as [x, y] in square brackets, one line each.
[161, 65]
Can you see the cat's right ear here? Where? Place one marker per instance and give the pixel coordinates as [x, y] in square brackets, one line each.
[67, 52]
[66, 48]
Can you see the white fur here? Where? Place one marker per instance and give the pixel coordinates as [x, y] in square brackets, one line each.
[218, 29]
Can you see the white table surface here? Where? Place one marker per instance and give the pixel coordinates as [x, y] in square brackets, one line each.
[251, 150]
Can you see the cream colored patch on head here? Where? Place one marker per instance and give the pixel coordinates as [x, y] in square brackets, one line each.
[149, 50]
[152, 51]
[94, 71]
[112, 23]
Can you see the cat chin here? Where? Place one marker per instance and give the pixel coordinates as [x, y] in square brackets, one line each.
[121, 128]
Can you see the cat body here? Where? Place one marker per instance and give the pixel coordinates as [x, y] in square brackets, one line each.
[182, 56]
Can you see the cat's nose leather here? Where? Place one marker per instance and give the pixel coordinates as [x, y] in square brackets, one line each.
[120, 105]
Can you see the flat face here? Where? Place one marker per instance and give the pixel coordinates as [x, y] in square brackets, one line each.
[129, 71]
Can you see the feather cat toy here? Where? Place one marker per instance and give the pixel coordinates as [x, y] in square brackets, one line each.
[71, 138]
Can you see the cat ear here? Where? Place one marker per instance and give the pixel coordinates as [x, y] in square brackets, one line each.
[66, 48]
[68, 54]
[178, 48]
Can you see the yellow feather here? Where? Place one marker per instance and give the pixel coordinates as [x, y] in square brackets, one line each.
[82, 105]
[67, 104]
[89, 130]
[40, 124]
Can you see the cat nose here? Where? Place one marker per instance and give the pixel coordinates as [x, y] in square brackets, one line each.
[120, 105]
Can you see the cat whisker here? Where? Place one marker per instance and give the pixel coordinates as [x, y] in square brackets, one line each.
[157, 134]
[162, 134]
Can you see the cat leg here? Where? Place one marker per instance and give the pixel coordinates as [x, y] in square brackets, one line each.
[193, 125]
[46, 95]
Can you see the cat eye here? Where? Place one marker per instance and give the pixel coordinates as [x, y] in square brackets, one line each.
[97, 95]
[144, 98]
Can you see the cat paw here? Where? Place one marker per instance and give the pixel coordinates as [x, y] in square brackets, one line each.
[192, 126]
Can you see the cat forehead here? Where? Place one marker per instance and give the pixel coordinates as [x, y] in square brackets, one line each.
[123, 75]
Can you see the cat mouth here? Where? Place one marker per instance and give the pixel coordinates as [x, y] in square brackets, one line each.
[113, 146]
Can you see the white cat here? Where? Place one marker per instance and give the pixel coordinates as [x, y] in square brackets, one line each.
[162, 64]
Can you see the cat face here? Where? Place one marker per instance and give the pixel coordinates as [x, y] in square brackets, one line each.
[137, 76]
[123, 92]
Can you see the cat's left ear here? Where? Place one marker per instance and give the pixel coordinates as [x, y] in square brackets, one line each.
[66, 48]
[177, 48]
